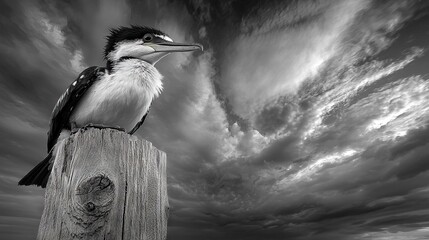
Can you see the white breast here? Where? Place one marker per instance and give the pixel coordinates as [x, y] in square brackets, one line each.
[120, 98]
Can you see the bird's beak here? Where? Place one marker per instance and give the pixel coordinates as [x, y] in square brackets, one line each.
[175, 47]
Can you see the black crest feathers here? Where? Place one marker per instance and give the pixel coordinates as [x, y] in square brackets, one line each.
[126, 33]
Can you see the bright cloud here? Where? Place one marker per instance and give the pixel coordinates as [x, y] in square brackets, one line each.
[275, 59]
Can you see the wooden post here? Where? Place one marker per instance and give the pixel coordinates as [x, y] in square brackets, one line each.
[106, 184]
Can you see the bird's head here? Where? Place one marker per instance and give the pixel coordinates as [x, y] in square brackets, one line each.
[143, 43]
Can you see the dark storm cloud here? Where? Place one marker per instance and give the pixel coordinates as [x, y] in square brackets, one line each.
[36, 56]
[85, 24]
[411, 154]
[342, 133]
[35, 69]
[337, 153]
[274, 117]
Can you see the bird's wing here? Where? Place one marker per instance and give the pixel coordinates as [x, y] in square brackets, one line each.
[64, 107]
[137, 126]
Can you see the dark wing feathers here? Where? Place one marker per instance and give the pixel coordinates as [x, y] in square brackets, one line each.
[64, 107]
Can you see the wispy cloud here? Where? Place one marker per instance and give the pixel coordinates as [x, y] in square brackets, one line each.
[274, 59]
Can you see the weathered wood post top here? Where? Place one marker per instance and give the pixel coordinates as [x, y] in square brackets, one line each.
[106, 184]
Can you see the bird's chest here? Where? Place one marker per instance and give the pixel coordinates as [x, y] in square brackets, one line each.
[113, 101]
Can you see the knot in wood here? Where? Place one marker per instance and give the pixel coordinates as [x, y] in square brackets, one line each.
[96, 194]
[89, 206]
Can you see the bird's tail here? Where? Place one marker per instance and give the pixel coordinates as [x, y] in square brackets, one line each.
[39, 175]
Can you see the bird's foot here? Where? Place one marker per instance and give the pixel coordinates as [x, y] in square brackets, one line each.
[73, 128]
[101, 126]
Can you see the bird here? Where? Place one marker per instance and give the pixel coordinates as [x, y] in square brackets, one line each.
[117, 96]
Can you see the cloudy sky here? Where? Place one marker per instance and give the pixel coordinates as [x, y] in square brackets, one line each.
[301, 120]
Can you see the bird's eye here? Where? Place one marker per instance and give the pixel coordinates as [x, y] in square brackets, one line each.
[147, 37]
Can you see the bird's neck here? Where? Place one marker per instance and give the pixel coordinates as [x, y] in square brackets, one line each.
[138, 72]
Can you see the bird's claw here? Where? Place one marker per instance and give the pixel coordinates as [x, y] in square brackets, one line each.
[74, 129]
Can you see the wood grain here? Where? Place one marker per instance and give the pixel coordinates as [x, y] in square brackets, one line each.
[106, 184]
